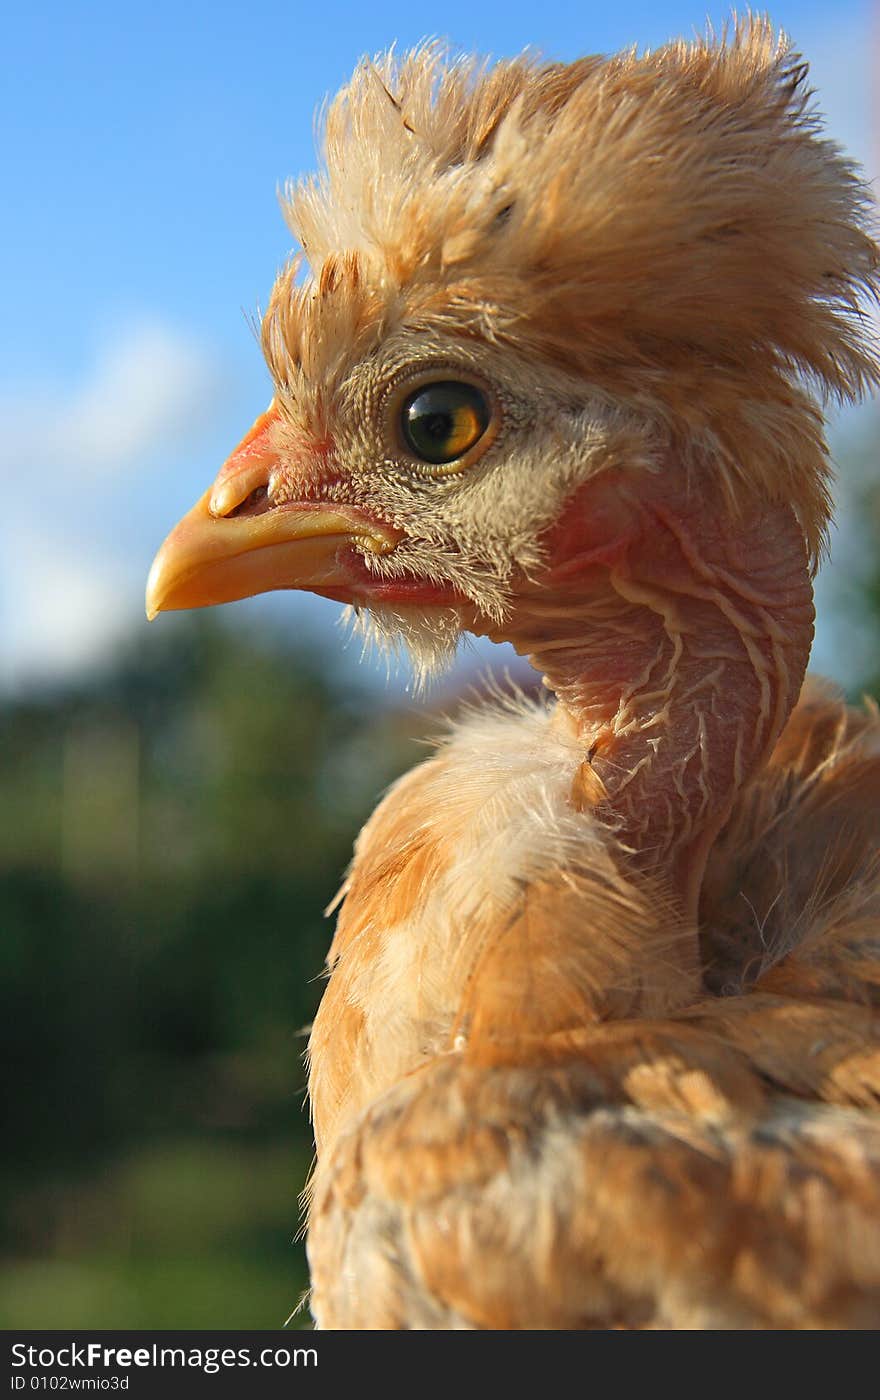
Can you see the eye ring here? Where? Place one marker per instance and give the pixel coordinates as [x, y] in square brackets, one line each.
[444, 422]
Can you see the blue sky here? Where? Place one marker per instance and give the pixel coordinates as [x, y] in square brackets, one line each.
[142, 151]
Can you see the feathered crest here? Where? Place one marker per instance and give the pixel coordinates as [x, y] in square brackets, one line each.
[673, 228]
[673, 206]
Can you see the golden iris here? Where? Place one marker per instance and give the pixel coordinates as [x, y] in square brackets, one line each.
[441, 422]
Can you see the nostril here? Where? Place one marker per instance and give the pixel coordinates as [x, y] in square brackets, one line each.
[253, 504]
[240, 493]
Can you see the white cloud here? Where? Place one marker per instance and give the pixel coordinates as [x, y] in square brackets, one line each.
[145, 386]
[153, 384]
[78, 466]
[61, 610]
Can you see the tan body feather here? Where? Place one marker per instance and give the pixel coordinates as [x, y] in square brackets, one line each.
[574, 1134]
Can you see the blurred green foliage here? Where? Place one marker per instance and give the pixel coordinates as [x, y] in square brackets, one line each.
[171, 833]
[867, 587]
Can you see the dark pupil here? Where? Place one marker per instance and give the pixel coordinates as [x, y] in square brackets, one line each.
[437, 425]
[441, 422]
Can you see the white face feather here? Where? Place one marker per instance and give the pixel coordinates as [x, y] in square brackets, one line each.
[475, 527]
[428, 638]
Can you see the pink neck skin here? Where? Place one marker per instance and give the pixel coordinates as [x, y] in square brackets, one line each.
[676, 637]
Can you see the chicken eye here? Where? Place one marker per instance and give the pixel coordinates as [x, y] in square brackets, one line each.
[441, 422]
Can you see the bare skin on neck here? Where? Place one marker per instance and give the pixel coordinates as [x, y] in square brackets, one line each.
[676, 637]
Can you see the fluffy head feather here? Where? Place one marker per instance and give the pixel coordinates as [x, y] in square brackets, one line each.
[671, 229]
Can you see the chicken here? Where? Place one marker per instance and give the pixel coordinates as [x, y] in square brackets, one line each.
[599, 1044]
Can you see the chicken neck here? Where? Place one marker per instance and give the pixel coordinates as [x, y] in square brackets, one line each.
[675, 635]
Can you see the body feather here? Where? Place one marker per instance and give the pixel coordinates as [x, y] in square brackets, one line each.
[581, 1135]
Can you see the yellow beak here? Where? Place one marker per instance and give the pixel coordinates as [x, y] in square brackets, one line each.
[234, 543]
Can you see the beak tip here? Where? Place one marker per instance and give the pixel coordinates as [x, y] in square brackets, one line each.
[155, 592]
